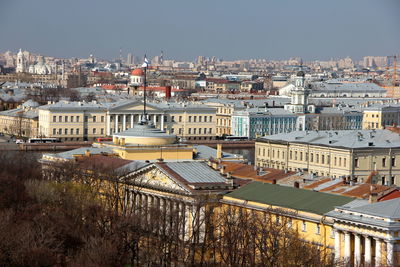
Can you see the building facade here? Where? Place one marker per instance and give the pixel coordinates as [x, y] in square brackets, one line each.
[380, 116]
[350, 154]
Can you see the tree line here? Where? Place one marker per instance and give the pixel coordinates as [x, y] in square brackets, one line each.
[66, 216]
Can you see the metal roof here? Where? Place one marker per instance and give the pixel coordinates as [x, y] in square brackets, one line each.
[340, 139]
[289, 197]
[196, 172]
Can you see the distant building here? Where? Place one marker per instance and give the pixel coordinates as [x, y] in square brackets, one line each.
[351, 154]
[379, 116]
[21, 62]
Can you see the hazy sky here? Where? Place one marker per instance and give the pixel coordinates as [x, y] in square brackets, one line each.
[184, 29]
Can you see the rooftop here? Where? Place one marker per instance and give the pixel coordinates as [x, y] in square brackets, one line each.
[289, 197]
[339, 139]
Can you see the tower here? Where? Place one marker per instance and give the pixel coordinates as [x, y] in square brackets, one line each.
[20, 62]
[299, 96]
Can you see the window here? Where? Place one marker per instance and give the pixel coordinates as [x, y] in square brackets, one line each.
[86, 131]
[340, 162]
[72, 131]
[86, 118]
[194, 118]
[94, 118]
[344, 162]
[304, 226]
[194, 130]
[180, 118]
[190, 118]
[318, 229]
[59, 118]
[199, 118]
[295, 155]
[66, 131]
[94, 130]
[77, 131]
[210, 131]
[172, 130]
[172, 118]
[77, 118]
[264, 152]
[190, 131]
[317, 158]
[102, 118]
[205, 118]
[102, 131]
[66, 118]
[180, 130]
[54, 118]
[393, 162]
[54, 131]
[312, 157]
[210, 119]
[301, 156]
[60, 131]
[356, 162]
[72, 118]
[323, 159]
[334, 161]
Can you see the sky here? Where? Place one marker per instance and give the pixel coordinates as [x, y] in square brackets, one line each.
[185, 29]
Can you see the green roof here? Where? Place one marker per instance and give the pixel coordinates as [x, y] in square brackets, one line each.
[290, 197]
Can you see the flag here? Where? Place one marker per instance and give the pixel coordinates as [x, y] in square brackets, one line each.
[145, 63]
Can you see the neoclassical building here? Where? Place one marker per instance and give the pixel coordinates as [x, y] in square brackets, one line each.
[72, 121]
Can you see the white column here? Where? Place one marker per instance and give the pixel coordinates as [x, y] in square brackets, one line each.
[368, 254]
[116, 124]
[162, 122]
[139, 118]
[155, 119]
[378, 251]
[108, 125]
[357, 250]
[132, 120]
[124, 122]
[337, 245]
[347, 246]
[389, 251]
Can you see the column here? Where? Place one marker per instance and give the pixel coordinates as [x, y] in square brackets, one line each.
[108, 125]
[155, 120]
[347, 246]
[138, 118]
[389, 252]
[124, 122]
[337, 246]
[378, 251]
[357, 250]
[162, 122]
[116, 124]
[132, 120]
[368, 254]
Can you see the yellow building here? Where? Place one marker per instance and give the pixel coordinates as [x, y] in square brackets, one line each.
[72, 121]
[303, 210]
[357, 232]
[351, 154]
[380, 116]
[22, 121]
[224, 113]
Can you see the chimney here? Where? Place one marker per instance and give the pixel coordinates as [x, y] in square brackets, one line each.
[222, 170]
[219, 151]
[373, 198]
[167, 92]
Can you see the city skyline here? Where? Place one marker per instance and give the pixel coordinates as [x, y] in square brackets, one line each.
[275, 31]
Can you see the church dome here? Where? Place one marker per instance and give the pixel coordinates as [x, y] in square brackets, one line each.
[144, 135]
[137, 72]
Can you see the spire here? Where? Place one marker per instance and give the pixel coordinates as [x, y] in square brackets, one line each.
[144, 66]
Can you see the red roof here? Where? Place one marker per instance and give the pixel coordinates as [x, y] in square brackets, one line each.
[137, 72]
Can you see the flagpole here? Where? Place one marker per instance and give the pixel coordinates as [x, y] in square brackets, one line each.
[144, 96]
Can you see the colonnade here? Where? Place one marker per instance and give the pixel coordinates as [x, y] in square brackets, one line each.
[119, 119]
[166, 215]
[359, 249]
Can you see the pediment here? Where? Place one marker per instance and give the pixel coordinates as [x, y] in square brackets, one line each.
[154, 178]
[135, 106]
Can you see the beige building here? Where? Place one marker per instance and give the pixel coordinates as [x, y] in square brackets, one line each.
[22, 121]
[359, 155]
[72, 121]
[380, 116]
